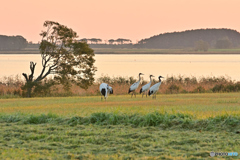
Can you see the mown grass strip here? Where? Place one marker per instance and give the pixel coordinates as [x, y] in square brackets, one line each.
[164, 120]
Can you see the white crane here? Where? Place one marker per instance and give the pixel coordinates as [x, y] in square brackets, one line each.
[134, 86]
[105, 89]
[153, 90]
[146, 87]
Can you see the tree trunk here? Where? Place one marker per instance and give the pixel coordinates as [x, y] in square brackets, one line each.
[29, 80]
[29, 91]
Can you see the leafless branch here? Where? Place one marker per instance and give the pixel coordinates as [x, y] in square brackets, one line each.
[32, 68]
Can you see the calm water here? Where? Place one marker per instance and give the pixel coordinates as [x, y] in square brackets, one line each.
[131, 65]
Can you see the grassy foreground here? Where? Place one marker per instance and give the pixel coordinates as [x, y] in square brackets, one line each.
[198, 105]
[182, 126]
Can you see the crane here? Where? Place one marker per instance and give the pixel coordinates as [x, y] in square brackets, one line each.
[146, 87]
[105, 89]
[153, 90]
[135, 85]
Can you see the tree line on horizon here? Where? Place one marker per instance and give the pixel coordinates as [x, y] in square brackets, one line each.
[12, 43]
[199, 39]
[110, 41]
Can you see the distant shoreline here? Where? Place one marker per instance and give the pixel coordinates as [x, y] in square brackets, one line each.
[141, 51]
[166, 53]
[135, 53]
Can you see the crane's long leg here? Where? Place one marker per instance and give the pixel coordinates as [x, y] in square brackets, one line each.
[135, 94]
[101, 98]
[146, 94]
[131, 95]
[142, 95]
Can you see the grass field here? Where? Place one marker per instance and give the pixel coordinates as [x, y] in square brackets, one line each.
[177, 126]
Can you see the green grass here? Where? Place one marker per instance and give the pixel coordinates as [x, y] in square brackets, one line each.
[198, 105]
[51, 141]
[180, 126]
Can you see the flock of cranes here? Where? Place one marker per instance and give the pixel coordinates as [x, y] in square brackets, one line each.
[105, 89]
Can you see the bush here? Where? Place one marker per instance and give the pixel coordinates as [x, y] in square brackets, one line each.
[201, 46]
[200, 89]
[227, 88]
[218, 88]
[230, 88]
[237, 87]
[223, 43]
[173, 88]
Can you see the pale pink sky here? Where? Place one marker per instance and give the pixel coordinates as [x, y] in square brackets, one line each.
[106, 19]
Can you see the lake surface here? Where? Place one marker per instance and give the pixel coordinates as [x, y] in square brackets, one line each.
[131, 65]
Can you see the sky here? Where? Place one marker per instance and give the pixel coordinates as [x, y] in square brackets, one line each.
[112, 19]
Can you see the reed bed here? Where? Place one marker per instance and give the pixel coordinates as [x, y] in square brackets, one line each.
[11, 86]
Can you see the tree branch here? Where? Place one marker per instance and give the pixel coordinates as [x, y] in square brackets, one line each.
[25, 76]
[32, 68]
